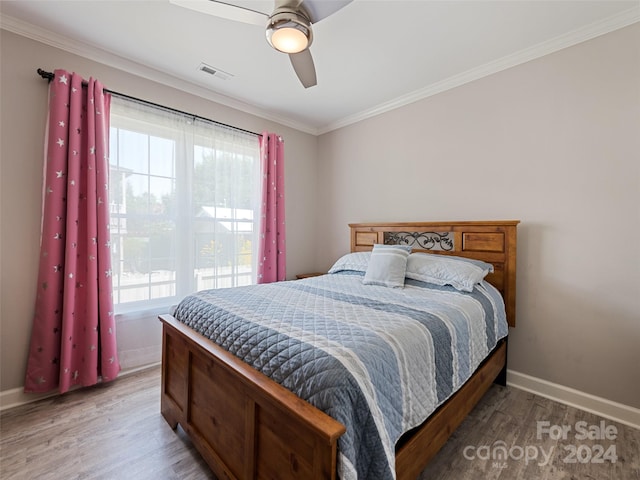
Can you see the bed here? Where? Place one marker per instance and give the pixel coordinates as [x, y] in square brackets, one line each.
[247, 425]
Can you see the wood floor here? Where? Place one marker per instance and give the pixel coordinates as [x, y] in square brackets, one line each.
[115, 431]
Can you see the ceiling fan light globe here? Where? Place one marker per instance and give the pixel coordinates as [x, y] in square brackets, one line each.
[289, 40]
[289, 32]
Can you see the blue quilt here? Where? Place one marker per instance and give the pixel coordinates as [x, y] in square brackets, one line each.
[379, 360]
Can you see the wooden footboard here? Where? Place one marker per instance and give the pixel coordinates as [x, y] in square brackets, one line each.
[247, 426]
[244, 424]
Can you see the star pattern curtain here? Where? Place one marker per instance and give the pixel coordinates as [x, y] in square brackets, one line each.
[73, 338]
[272, 248]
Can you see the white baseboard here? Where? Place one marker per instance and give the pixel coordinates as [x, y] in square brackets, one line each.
[16, 396]
[575, 398]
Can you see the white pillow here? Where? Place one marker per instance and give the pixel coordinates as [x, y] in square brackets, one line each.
[358, 262]
[387, 265]
[461, 273]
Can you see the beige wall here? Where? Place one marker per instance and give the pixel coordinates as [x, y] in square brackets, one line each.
[554, 143]
[23, 108]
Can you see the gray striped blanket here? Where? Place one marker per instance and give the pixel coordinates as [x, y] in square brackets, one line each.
[379, 360]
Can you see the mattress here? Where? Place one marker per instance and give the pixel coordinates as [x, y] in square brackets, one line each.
[379, 360]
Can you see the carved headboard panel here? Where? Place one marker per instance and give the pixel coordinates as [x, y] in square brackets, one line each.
[491, 241]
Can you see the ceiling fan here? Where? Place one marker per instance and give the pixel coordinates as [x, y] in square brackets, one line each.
[288, 27]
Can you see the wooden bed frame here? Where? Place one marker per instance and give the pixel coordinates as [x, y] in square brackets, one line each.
[245, 425]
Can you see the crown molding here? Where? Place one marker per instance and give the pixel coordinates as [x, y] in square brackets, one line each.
[105, 57]
[607, 25]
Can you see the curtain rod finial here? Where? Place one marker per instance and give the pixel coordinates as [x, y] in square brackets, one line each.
[44, 74]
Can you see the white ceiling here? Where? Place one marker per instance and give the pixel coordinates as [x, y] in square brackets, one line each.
[371, 56]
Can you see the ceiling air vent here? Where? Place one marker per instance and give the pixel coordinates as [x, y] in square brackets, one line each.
[216, 72]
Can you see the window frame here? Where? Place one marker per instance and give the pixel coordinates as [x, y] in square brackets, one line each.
[184, 240]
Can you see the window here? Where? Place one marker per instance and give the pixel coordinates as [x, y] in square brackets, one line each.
[183, 197]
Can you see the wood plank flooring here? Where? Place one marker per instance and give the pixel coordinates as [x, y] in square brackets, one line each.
[115, 431]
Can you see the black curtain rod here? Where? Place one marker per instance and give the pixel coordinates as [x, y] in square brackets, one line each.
[49, 76]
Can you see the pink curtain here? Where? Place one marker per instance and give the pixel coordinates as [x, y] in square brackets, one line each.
[73, 339]
[271, 249]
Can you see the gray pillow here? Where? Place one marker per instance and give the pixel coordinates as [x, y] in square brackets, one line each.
[356, 262]
[387, 265]
[461, 273]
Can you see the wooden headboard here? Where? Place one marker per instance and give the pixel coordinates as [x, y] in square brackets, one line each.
[491, 241]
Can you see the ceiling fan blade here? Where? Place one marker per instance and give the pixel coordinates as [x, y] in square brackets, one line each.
[224, 10]
[319, 9]
[303, 65]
